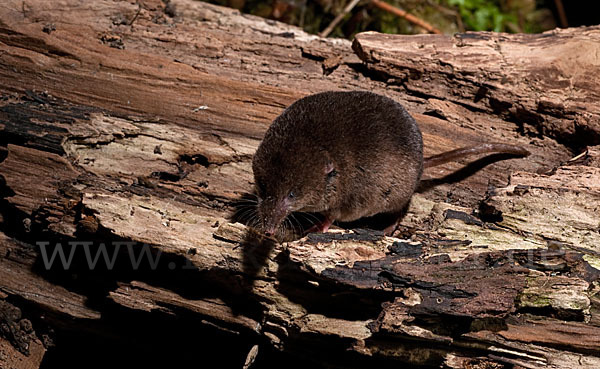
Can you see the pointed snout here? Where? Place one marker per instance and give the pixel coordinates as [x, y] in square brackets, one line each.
[271, 223]
[270, 232]
[272, 213]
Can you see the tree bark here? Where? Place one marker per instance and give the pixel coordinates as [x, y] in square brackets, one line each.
[126, 136]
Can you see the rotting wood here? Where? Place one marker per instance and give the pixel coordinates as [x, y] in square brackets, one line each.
[536, 80]
[20, 348]
[12, 358]
[144, 145]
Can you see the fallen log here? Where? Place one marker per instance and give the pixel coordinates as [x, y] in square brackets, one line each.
[126, 135]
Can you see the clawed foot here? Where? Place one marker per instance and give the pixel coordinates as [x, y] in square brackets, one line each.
[389, 230]
[321, 227]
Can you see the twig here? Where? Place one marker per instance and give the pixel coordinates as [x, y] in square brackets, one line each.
[514, 362]
[578, 156]
[409, 17]
[136, 14]
[562, 16]
[251, 357]
[339, 17]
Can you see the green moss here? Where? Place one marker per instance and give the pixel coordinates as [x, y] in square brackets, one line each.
[534, 300]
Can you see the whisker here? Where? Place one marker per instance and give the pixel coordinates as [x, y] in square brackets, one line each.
[244, 218]
[292, 227]
[283, 228]
[310, 218]
[240, 208]
[243, 211]
[255, 222]
[293, 217]
[240, 204]
[245, 215]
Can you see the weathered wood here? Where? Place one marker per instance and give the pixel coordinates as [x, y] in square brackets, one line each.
[12, 358]
[128, 128]
[547, 83]
[18, 276]
[19, 346]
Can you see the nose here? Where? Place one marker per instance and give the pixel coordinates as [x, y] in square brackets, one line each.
[270, 231]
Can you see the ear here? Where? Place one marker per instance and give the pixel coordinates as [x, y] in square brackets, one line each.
[329, 166]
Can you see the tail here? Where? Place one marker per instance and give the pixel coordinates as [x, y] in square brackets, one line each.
[448, 156]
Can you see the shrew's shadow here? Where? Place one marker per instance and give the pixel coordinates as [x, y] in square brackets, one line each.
[256, 249]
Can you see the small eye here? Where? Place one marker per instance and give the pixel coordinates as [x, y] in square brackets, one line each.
[332, 174]
[291, 195]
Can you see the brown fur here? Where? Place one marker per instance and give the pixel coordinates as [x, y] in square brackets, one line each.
[346, 155]
[372, 144]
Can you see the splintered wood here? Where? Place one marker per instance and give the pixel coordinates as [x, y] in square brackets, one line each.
[127, 131]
